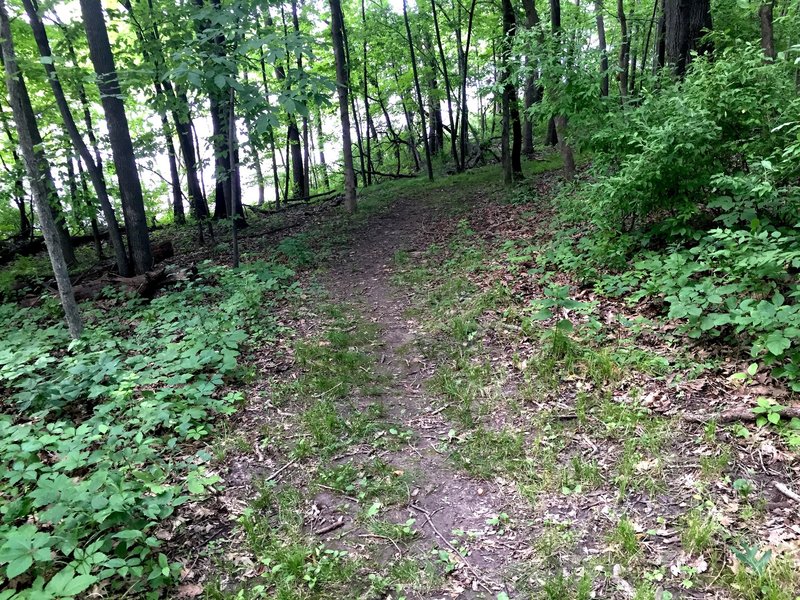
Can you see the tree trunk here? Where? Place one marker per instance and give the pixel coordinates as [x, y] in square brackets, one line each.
[16, 173]
[601, 38]
[533, 92]
[624, 52]
[685, 24]
[560, 121]
[38, 170]
[179, 215]
[343, 88]
[119, 135]
[767, 36]
[464, 76]
[85, 190]
[511, 155]
[233, 179]
[418, 89]
[564, 148]
[448, 89]
[321, 144]
[367, 116]
[93, 164]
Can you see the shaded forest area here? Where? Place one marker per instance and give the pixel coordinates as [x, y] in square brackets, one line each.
[246, 241]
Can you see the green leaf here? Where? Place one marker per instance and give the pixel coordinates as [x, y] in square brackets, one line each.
[18, 566]
[66, 584]
[776, 343]
[774, 418]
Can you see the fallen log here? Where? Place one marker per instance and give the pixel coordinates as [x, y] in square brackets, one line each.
[144, 286]
[741, 415]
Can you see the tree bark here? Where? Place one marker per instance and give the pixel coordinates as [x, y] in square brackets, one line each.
[16, 173]
[367, 116]
[179, 215]
[343, 88]
[560, 121]
[767, 36]
[685, 24]
[601, 37]
[624, 52]
[448, 88]
[93, 166]
[533, 92]
[119, 135]
[85, 190]
[38, 170]
[321, 148]
[512, 132]
[418, 89]
[464, 121]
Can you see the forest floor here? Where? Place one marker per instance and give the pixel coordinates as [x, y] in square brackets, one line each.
[415, 434]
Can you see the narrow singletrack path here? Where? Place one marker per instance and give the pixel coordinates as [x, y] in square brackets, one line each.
[443, 499]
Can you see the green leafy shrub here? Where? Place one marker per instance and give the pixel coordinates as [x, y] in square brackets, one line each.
[93, 432]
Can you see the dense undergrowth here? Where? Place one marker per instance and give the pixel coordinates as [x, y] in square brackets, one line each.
[102, 437]
[693, 206]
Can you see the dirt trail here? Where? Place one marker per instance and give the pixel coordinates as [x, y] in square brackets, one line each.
[443, 499]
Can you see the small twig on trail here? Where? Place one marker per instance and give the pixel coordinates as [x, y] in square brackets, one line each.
[330, 527]
[455, 550]
[333, 489]
[438, 410]
[281, 470]
[433, 447]
[787, 492]
[382, 537]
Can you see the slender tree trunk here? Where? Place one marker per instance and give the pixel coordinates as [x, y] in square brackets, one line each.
[412, 138]
[76, 201]
[119, 135]
[178, 213]
[85, 190]
[321, 144]
[767, 36]
[191, 160]
[532, 89]
[270, 131]
[38, 170]
[367, 116]
[16, 173]
[343, 87]
[418, 89]
[512, 132]
[650, 26]
[233, 182]
[559, 120]
[624, 51]
[464, 77]
[150, 41]
[448, 89]
[601, 38]
[93, 164]
[632, 64]
[661, 44]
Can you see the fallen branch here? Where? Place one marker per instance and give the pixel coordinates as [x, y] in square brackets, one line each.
[787, 492]
[453, 549]
[281, 470]
[742, 414]
[330, 527]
